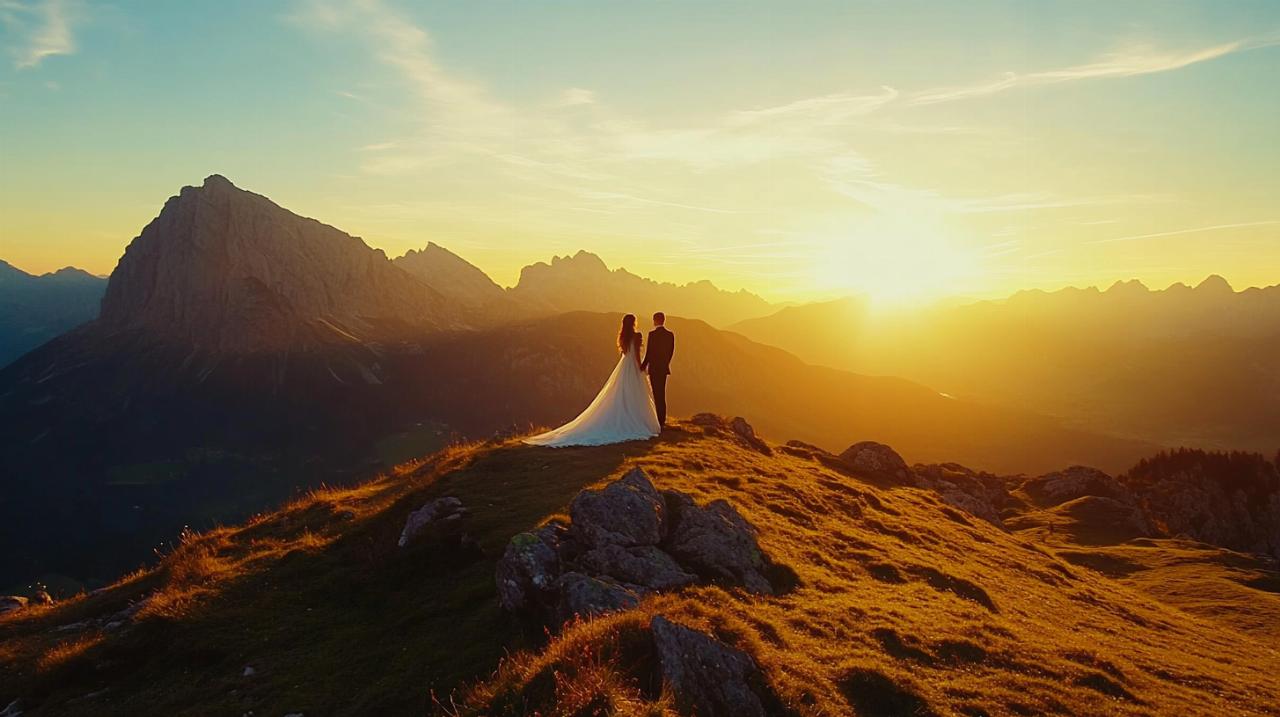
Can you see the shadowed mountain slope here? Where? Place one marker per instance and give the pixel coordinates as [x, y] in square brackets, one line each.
[900, 602]
[95, 428]
[34, 309]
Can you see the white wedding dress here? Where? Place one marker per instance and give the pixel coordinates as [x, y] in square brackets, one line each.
[622, 411]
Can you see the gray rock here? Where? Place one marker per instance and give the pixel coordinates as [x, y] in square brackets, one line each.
[643, 565]
[13, 709]
[436, 511]
[627, 512]
[876, 457]
[716, 542]
[625, 541]
[747, 435]
[248, 671]
[707, 677]
[1056, 488]
[584, 596]
[979, 494]
[529, 569]
[9, 603]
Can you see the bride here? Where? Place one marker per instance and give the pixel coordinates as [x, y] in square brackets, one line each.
[622, 411]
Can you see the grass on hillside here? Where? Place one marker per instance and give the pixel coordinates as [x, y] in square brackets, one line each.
[901, 602]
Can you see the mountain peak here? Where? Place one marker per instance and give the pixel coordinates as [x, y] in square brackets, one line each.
[224, 267]
[1216, 284]
[450, 274]
[1132, 286]
[583, 259]
[217, 181]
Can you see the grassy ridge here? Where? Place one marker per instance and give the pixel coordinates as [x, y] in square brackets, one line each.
[902, 601]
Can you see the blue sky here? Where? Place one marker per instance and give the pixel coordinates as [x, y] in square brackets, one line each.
[796, 149]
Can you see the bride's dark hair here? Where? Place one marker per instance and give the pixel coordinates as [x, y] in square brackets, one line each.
[628, 335]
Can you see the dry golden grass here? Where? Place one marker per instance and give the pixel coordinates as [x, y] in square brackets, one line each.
[905, 602]
[901, 601]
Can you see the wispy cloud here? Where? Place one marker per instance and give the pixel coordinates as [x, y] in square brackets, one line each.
[1177, 232]
[824, 110]
[44, 29]
[1127, 63]
[856, 177]
[568, 157]
[575, 96]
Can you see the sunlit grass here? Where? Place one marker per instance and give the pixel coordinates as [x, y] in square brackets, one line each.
[894, 593]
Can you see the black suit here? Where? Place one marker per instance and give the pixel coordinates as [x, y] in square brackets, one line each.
[657, 361]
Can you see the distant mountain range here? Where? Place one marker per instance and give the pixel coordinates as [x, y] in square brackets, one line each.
[1179, 366]
[34, 309]
[582, 282]
[244, 352]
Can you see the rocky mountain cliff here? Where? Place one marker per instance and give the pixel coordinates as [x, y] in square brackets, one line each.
[34, 309]
[225, 269]
[451, 275]
[583, 282]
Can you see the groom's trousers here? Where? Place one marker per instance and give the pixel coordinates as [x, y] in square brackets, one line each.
[659, 384]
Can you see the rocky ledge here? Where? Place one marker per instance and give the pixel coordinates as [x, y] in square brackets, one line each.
[626, 541]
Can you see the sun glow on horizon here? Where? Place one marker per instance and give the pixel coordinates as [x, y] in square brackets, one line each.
[677, 140]
[897, 261]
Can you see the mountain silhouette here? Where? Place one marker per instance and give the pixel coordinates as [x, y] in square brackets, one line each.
[583, 282]
[452, 275]
[1179, 366]
[34, 309]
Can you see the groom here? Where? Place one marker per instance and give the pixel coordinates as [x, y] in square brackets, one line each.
[657, 361]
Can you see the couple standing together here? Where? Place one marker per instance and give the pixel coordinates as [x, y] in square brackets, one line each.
[624, 410]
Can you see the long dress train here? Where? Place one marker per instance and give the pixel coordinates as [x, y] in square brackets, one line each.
[622, 411]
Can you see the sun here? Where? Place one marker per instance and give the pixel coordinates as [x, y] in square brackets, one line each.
[896, 261]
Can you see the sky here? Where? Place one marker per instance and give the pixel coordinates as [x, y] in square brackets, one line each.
[800, 150]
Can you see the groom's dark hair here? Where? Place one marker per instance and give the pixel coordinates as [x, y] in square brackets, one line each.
[659, 318]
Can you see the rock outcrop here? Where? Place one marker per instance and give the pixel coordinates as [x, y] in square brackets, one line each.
[527, 575]
[877, 458]
[10, 603]
[222, 268]
[980, 494]
[624, 542]
[434, 513]
[707, 677]
[747, 435]
[736, 428]
[627, 512]
[1226, 499]
[1059, 487]
[716, 542]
